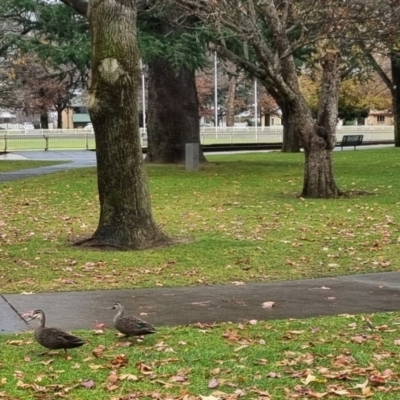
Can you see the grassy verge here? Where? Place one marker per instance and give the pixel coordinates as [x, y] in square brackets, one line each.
[7, 166]
[243, 211]
[335, 357]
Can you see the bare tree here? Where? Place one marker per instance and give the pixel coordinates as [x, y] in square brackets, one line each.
[376, 31]
[274, 31]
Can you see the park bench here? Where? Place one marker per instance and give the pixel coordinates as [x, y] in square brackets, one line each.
[351, 140]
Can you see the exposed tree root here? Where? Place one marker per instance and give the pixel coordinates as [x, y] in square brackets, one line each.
[355, 193]
[341, 193]
[163, 241]
[100, 244]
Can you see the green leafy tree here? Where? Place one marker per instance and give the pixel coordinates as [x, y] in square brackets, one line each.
[172, 53]
[56, 39]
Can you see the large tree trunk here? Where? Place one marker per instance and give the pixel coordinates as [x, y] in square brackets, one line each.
[232, 71]
[395, 64]
[59, 116]
[173, 113]
[318, 176]
[44, 121]
[290, 139]
[126, 219]
[290, 143]
[230, 101]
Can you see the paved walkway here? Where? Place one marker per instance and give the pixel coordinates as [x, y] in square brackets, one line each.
[73, 160]
[217, 303]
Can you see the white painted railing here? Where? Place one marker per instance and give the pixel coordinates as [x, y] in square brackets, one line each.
[53, 139]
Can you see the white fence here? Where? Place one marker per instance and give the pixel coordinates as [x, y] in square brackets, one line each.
[36, 139]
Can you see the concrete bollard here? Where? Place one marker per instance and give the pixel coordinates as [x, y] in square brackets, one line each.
[192, 152]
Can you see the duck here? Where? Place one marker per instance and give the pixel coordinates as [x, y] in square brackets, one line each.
[130, 326]
[54, 338]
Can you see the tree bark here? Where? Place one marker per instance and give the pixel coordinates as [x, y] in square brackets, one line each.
[44, 121]
[173, 113]
[126, 219]
[230, 101]
[290, 143]
[395, 65]
[59, 110]
[318, 176]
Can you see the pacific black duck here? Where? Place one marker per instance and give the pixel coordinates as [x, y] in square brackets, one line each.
[131, 326]
[54, 338]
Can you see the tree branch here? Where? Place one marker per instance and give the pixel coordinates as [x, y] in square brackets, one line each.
[344, 74]
[379, 70]
[80, 6]
[4, 48]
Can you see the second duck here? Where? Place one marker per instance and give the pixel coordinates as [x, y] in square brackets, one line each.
[131, 325]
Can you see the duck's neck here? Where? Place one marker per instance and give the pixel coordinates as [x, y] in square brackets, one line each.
[42, 321]
[119, 314]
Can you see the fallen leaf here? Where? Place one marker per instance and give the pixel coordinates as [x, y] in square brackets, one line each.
[273, 375]
[362, 385]
[88, 384]
[268, 304]
[99, 325]
[201, 303]
[98, 352]
[119, 361]
[213, 383]
[309, 378]
[128, 377]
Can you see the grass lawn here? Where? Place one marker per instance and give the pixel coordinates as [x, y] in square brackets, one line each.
[7, 166]
[336, 357]
[242, 210]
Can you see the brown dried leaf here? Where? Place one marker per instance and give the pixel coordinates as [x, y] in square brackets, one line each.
[268, 304]
[213, 383]
[98, 352]
[88, 384]
[119, 361]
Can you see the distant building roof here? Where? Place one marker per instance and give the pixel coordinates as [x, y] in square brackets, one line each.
[380, 112]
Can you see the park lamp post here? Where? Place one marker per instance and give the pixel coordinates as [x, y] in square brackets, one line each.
[215, 90]
[142, 69]
[255, 104]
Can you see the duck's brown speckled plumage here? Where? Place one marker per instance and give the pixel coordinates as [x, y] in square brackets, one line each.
[54, 338]
[131, 326]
